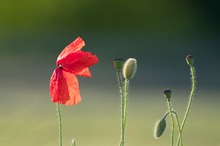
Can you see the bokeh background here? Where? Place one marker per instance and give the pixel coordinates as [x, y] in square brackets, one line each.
[159, 34]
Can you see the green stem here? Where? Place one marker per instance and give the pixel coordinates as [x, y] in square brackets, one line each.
[60, 123]
[126, 100]
[192, 70]
[172, 121]
[193, 87]
[178, 125]
[119, 77]
[179, 128]
[124, 111]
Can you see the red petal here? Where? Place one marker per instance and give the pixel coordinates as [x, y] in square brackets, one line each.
[78, 62]
[64, 87]
[71, 48]
[85, 72]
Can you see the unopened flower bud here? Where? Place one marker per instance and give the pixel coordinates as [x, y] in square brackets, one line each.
[118, 63]
[190, 60]
[129, 68]
[159, 128]
[167, 94]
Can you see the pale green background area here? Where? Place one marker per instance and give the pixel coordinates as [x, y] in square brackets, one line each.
[159, 34]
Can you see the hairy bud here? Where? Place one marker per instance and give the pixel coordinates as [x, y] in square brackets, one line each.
[129, 68]
[159, 128]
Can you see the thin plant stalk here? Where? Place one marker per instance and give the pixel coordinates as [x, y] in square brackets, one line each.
[179, 128]
[128, 72]
[119, 77]
[192, 70]
[126, 100]
[172, 121]
[193, 87]
[124, 110]
[178, 124]
[60, 124]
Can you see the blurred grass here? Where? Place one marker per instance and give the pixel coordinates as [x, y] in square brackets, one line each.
[29, 118]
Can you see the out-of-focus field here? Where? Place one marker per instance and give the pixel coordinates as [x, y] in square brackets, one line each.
[28, 118]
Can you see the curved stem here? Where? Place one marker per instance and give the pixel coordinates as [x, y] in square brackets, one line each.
[167, 114]
[60, 123]
[178, 125]
[192, 70]
[193, 88]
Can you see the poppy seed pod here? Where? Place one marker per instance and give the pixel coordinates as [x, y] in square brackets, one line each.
[118, 63]
[167, 94]
[190, 60]
[159, 128]
[129, 68]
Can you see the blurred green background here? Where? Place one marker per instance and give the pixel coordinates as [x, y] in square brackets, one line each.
[159, 34]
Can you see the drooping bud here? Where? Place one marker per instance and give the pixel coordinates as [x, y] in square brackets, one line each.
[167, 94]
[190, 60]
[159, 128]
[118, 64]
[129, 68]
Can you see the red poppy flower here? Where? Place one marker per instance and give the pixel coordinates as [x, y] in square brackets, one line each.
[64, 87]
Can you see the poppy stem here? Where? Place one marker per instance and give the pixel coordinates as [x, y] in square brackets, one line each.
[192, 92]
[172, 121]
[60, 124]
[178, 125]
[119, 77]
[128, 71]
[125, 102]
[179, 129]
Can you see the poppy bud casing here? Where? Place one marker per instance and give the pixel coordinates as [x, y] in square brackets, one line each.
[160, 128]
[190, 60]
[118, 63]
[167, 94]
[129, 68]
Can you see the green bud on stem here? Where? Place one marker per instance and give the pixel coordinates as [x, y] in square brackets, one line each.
[118, 63]
[129, 68]
[167, 94]
[189, 59]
